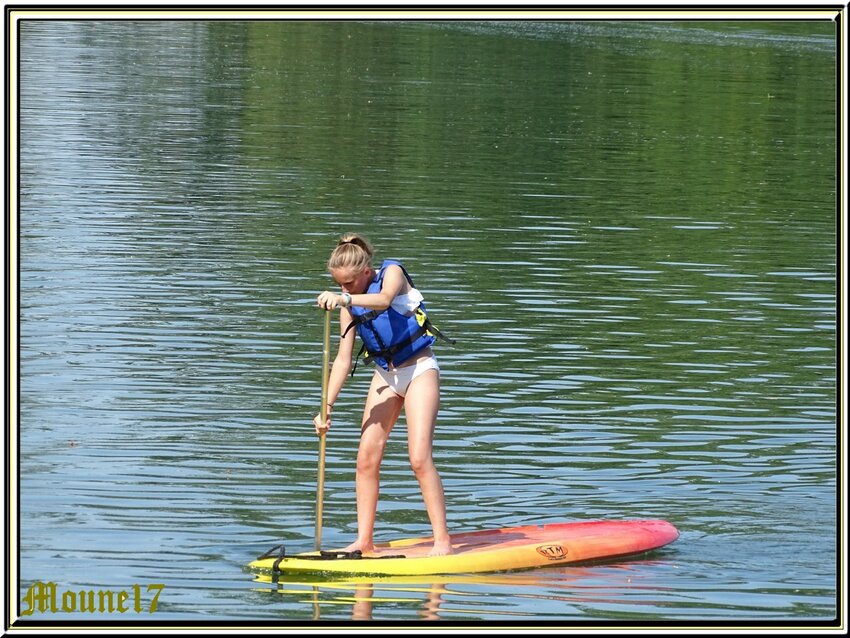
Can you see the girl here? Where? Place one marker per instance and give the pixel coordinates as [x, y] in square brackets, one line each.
[385, 308]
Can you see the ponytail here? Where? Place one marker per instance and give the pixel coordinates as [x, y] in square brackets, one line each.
[352, 251]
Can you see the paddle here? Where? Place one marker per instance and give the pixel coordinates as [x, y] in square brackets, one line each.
[326, 353]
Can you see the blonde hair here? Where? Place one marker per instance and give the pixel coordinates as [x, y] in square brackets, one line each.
[352, 251]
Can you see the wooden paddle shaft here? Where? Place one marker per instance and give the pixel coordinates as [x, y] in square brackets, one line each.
[326, 356]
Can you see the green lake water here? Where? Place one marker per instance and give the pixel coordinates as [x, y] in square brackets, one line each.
[628, 227]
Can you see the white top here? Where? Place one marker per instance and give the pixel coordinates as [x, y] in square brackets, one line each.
[408, 302]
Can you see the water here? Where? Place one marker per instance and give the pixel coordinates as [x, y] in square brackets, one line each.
[629, 228]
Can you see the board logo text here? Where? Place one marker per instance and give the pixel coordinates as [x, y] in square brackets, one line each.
[552, 552]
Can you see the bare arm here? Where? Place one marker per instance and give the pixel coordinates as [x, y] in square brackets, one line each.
[394, 282]
[339, 370]
[342, 363]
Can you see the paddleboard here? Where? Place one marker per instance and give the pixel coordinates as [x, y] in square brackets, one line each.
[486, 550]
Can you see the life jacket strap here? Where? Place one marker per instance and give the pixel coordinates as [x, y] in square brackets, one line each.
[358, 319]
[431, 329]
[425, 327]
[357, 358]
[389, 353]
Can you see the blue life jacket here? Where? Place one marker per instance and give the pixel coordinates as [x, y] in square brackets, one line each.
[390, 337]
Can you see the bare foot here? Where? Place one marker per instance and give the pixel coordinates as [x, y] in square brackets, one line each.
[443, 548]
[357, 546]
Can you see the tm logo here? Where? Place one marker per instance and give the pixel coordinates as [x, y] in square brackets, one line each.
[552, 552]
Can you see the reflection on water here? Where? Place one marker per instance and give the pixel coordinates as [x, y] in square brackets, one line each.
[629, 228]
[560, 592]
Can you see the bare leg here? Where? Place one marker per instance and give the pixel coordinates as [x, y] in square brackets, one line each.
[379, 416]
[421, 404]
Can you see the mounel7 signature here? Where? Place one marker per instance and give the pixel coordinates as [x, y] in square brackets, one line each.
[46, 598]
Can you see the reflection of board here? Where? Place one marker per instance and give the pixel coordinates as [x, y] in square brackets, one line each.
[489, 550]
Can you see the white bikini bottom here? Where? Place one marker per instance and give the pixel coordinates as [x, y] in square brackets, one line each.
[399, 379]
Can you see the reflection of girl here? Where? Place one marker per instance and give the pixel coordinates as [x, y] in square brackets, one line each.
[386, 309]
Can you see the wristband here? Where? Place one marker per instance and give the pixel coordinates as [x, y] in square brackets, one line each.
[346, 300]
